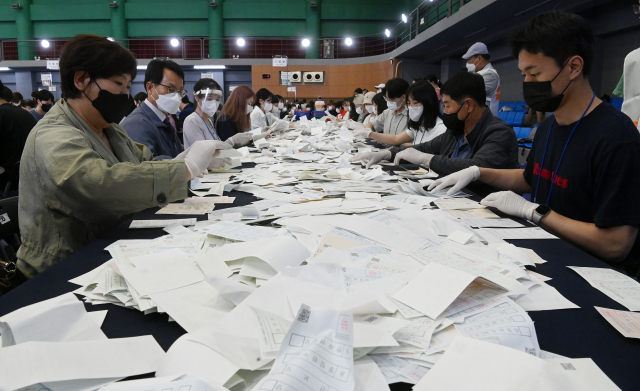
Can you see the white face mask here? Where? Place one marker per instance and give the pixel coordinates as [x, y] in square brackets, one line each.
[369, 108]
[472, 67]
[329, 108]
[267, 107]
[392, 105]
[249, 109]
[303, 106]
[209, 107]
[359, 110]
[347, 108]
[168, 103]
[280, 105]
[374, 111]
[284, 110]
[415, 113]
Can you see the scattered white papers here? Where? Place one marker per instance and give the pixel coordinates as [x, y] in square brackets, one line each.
[236, 231]
[460, 237]
[161, 223]
[544, 297]
[625, 290]
[62, 361]
[166, 383]
[457, 203]
[362, 195]
[493, 223]
[520, 233]
[316, 354]
[186, 209]
[627, 323]
[60, 319]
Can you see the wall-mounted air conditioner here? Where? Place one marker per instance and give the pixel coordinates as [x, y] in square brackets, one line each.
[313, 77]
[296, 77]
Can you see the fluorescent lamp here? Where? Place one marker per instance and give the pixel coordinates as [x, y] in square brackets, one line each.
[387, 33]
[4, 69]
[141, 67]
[404, 18]
[209, 67]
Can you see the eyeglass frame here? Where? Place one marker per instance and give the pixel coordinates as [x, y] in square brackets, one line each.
[182, 92]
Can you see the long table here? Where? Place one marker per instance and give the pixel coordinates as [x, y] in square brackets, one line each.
[574, 333]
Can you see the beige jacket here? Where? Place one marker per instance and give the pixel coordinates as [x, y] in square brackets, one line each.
[74, 189]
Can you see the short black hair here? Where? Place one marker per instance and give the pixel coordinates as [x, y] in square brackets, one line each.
[275, 99]
[7, 94]
[140, 96]
[396, 87]
[28, 103]
[433, 79]
[465, 85]
[44, 95]
[558, 35]
[380, 101]
[97, 56]
[155, 71]
[263, 94]
[424, 93]
[358, 91]
[17, 97]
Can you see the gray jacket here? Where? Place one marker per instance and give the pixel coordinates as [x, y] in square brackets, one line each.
[144, 127]
[493, 145]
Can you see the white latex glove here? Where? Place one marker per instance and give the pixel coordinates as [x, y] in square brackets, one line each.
[198, 156]
[414, 156]
[262, 135]
[371, 157]
[239, 140]
[511, 204]
[362, 133]
[458, 180]
[219, 162]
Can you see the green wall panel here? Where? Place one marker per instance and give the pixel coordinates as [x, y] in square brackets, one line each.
[356, 28]
[167, 10]
[361, 11]
[258, 10]
[266, 28]
[69, 29]
[101, 3]
[8, 30]
[69, 12]
[168, 28]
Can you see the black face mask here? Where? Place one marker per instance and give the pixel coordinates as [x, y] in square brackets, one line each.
[451, 121]
[46, 107]
[539, 96]
[112, 107]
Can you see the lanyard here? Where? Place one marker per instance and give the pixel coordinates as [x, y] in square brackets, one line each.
[215, 137]
[553, 178]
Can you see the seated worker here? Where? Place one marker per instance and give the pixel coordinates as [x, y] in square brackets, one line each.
[394, 119]
[425, 122]
[44, 100]
[81, 174]
[474, 137]
[582, 172]
[367, 107]
[199, 125]
[358, 102]
[149, 124]
[186, 108]
[348, 111]
[261, 116]
[379, 105]
[233, 123]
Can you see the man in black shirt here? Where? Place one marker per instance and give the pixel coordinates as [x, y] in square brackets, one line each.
[582, 171]
[15, 125]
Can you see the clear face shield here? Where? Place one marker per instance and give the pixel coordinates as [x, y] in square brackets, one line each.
[208, 100]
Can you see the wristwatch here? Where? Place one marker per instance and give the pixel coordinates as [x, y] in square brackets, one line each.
[541, 211]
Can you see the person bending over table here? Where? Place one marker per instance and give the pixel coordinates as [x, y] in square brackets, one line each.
[425, 120]
[474, 137]
[582, 171]
[81, 174]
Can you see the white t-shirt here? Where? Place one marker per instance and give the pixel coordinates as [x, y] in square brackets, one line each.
[423, 135]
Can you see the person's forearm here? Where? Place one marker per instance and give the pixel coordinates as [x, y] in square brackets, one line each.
[391, 139]
[609, 244]
[505, 179]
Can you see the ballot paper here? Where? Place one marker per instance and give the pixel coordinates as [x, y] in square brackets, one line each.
[544, 297]
[316, 354]
[165, 383]
[490, 222]
[584, 369]
[236, 231]
[273, 331]
[368, 376]
[627, 323]
[418, 332]
[493, 367]
[161, 223]
[186, 209]
[60, 319]
[506, 324]
[42, 362]
[353, 276]
[625, 290]
[457, 203]
[391, 367]
[437, 287]
[520, 233]
[278, 252]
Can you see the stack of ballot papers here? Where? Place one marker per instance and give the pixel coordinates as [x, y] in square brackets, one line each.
[336, 278]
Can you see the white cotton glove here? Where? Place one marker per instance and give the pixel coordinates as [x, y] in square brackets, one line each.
[262, 135]
[371, 157]
[219, 162]
[362, 133]
[511, 204]
[414, 156]
[458, 180]
[239, 140]
[199, 155]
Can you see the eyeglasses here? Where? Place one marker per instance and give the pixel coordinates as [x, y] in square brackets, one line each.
[172, 90]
